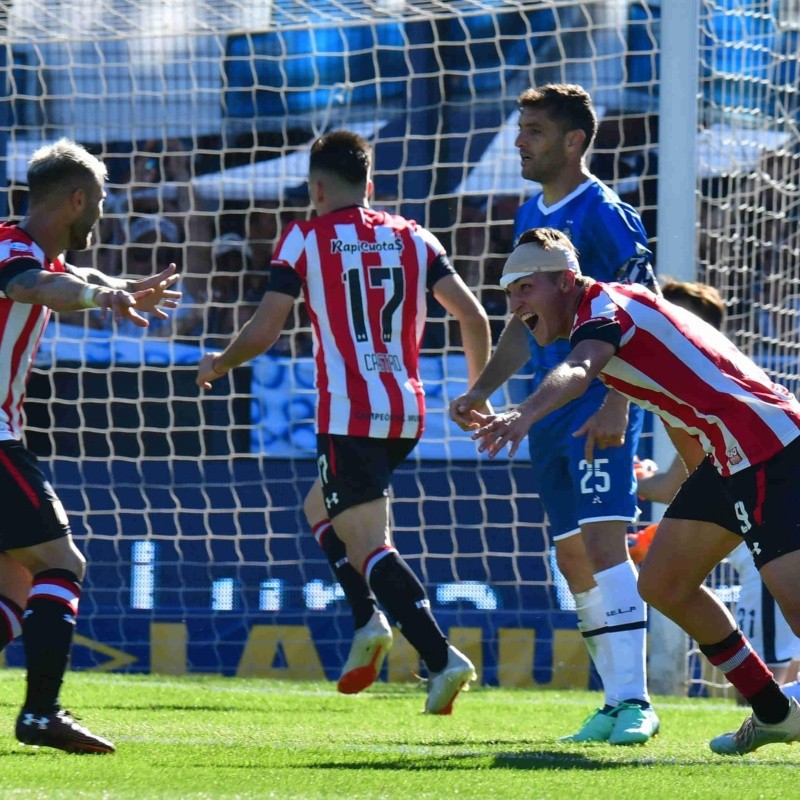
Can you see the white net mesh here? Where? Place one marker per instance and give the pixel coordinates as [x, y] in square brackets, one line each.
[188, 506]
[749, 190]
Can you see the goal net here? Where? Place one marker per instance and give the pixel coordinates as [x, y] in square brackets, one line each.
[748, 189]
[189, 505]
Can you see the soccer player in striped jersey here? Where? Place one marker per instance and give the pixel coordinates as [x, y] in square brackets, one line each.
[589, 506]
[364, 275]
[710, 394]
[41, 569]
[756, 611]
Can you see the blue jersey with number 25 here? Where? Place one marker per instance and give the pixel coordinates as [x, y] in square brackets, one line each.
[612, 246]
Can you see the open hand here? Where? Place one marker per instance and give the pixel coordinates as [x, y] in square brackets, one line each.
[122, 305]
[495, 431]
[162, 297]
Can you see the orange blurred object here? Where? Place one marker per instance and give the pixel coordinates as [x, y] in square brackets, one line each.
[639, 542]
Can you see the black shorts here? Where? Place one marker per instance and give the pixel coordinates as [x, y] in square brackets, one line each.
[759, 503]
[357, 469]
[32, 512]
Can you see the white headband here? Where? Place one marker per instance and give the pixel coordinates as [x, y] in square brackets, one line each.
[530, 257]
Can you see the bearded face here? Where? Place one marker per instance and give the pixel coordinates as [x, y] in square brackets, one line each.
[80, 234]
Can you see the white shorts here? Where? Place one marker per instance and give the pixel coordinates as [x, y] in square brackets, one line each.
[759, 616]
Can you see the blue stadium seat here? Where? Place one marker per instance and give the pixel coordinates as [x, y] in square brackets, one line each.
[736, 54]
[301, 70]
[297, 71]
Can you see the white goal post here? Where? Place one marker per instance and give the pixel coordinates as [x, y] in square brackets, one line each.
[189, 506]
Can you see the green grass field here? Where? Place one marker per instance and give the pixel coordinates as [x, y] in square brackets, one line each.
[211, 737]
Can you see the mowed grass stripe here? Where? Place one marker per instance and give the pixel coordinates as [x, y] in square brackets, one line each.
[204, 737]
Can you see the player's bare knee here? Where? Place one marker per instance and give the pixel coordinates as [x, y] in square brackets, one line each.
[654, 587]
[576, 570]
[605, 543]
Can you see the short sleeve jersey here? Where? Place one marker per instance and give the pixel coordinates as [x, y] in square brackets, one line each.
[21, 325]
[689, 374]
[364, 275]
[608, 235]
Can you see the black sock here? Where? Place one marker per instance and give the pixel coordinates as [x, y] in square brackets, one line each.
[10, 621]
[403, 596]
[48, 625]
[359, 597]
[770, 704]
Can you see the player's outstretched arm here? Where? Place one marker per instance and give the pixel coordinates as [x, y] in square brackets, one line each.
[511, 353]
[476, 335]
[163, 296]
[255, 338]
[62, 291]
[564, 383]
[473, 321]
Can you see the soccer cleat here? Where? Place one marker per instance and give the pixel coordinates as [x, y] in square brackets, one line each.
[754, 734]
[444, 686]
[596, 727]
[58, 729]
[633, 724]
[367, 653]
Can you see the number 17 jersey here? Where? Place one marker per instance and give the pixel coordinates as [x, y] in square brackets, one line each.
[364, 275]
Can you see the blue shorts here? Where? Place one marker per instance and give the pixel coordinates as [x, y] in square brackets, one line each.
[572, 491]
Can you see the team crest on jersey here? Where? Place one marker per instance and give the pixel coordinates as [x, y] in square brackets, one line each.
[567, 229]
[734, 456]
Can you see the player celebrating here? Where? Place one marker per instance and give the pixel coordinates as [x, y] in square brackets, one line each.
[363, 274]
[662, 357]
[758, 615]
[41, 569]
[589, 505]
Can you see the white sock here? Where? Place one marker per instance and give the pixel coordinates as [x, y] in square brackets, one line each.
[592, 617]
[626, 620]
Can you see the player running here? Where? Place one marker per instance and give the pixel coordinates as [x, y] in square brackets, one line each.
[663, 358]
[364, 275]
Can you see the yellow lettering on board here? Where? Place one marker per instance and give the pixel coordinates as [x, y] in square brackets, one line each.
[116, 658]
[516, 659]
[168, 642]
[570, 661]
[515, 656]
[403, 661]
[293, 642]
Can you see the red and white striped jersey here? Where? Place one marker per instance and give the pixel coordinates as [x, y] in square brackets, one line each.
[364, 275]
[21, 328]
[689, 374]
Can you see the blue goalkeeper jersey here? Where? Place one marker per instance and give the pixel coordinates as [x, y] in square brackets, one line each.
[612, 246]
